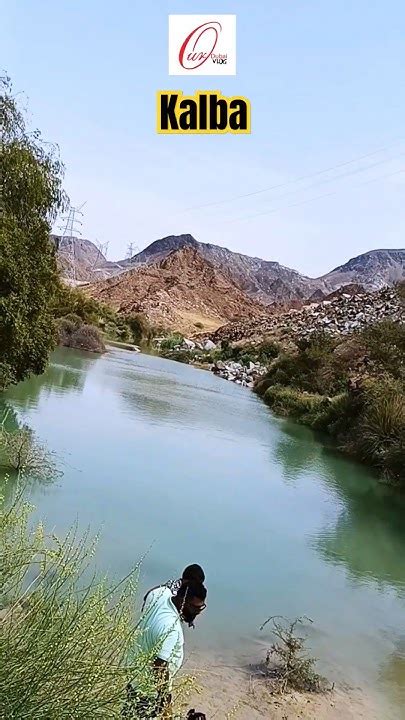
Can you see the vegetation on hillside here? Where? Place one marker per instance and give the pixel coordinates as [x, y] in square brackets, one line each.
[31, 197]
[353, 388]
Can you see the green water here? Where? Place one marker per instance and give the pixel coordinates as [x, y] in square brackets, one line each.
[172, 461]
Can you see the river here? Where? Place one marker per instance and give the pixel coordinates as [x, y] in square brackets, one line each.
[176, 463]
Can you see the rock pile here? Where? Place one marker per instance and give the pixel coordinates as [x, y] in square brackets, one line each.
[337, 315]
[237, 373]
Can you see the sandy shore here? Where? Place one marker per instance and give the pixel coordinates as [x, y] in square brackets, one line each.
[232, 692]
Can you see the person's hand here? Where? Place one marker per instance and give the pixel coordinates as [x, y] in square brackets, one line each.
[193, 715]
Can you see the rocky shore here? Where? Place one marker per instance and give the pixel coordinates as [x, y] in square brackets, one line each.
[238, 373]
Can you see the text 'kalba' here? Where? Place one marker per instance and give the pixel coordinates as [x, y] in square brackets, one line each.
[204, 112]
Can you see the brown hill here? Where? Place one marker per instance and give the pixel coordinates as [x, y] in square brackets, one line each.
[177, 292]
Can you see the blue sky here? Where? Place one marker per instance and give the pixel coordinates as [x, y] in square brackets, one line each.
[326, 84]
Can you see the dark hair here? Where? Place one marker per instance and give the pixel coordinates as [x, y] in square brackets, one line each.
[193, 588]
[193, 572]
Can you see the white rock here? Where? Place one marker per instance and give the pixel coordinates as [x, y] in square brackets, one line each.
[209, 345]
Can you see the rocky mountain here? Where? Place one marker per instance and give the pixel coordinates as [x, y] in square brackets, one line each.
[78, 259]
[373, 270]
[182, 290]
[266, 281]
[342, 313]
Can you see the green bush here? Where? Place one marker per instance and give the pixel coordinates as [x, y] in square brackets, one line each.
[182, 356]
[171, 341]
[385, 342]
[380, 436]
[66, 637]
[290, 401]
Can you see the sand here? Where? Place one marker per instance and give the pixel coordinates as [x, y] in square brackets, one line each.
[232, 692]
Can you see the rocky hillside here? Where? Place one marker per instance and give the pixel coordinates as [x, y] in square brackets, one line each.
[269, 282]
[78, 258]
[178, 291]
[373, 270]
[263, 280]
[341, 314]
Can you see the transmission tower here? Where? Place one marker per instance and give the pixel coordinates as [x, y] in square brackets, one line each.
[103, 250]
[132, 250]
[70, 224]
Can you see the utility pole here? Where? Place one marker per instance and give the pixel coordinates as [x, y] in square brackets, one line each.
[70, 231]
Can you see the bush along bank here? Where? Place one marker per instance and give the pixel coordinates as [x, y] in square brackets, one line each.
[352, 388]
[87, 324]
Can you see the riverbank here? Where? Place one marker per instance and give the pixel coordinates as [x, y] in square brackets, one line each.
[241, 693]
[351, 388]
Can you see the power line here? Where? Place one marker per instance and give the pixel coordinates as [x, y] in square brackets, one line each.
[318, 197]
[290, 182]
[337, 177]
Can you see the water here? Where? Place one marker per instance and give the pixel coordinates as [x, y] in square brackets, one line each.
[173, 462]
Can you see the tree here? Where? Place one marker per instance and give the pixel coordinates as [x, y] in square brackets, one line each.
[32, 195]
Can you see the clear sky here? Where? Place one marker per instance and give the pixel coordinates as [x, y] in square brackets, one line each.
[326, 83]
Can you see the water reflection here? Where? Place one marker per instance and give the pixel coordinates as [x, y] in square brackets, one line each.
[59, 374]
[369, 534]
[24, 461]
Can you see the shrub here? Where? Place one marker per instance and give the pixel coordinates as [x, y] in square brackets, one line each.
[182, 356]
[82, 337]
[287, 663]
[380, 436]
[199, 325]
[87, 337]
[290, 401]
[268, 350]
[385, 342]
[171, 341]
[138, 326]
[70, 300]
[64, 642]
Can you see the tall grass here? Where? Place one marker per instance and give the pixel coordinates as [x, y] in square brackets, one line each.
[66, 636]
[382, 434]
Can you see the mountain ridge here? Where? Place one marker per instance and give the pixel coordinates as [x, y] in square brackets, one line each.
[266, 281]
